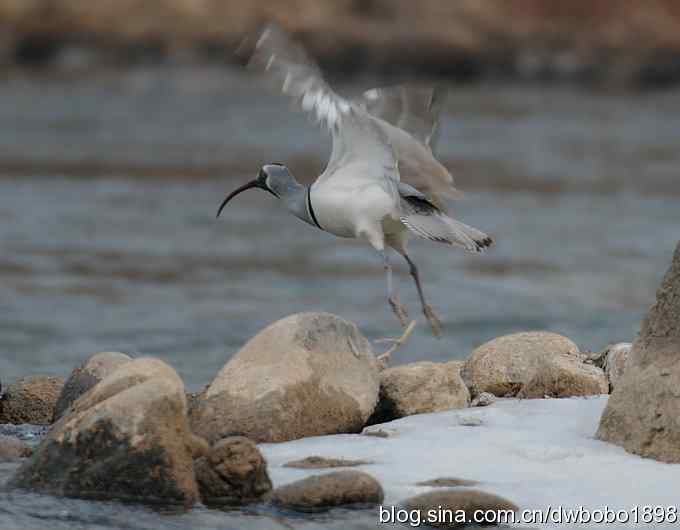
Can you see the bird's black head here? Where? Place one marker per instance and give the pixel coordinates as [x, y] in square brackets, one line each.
[268, 179]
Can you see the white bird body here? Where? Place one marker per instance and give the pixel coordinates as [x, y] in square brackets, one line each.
[382, 182]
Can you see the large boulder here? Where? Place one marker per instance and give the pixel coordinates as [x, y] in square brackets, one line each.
[459, 507]
[86, 376]
[643, 412]
[31, 399]
[503, 365]
[308, 374]
[126, 439]
[563, 376]
[321, 492]
[233, 473]
[419, 388]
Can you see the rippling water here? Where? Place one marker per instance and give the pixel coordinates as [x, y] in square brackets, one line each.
[108, 236]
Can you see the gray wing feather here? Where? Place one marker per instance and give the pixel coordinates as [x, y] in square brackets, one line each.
[415, 109]
[358, 139]
[426, 220]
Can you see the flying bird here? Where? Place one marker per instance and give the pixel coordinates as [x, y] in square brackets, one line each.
[382, 182]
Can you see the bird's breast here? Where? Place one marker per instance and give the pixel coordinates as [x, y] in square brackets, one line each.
[345, 211]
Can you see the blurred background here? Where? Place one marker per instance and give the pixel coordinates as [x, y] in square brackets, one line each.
[124, 123]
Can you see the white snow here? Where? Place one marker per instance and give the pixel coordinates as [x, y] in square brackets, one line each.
[536, 453]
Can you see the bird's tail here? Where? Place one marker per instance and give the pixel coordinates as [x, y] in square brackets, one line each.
[444, 229]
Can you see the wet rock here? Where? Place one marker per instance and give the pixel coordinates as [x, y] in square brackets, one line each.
[483, 400]
[31, 400]
[446, 482]
[642, 414]
[321, 492]
[564, 376]
[13, 449]
[319, 462]
[463, 503]
[419, 388]
[306, 375]
[86, 376]
[125, 439]
[233, 473]
[503, 365]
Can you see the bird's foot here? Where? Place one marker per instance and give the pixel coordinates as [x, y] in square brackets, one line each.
[434, 321]
[398, 309]
[396, 343]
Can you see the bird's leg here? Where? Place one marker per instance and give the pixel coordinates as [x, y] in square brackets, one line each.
[393, 299]
[429, 313]
[396, 343]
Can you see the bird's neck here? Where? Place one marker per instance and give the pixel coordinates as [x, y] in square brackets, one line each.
[297, 201]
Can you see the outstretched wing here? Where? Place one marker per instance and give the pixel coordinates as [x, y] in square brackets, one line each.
[357, 138]
[424, 219]
[415, 109]
[409, 116]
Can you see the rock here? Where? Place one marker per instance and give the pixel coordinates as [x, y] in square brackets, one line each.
[563, 376]
[503, 365]
[306, 375]
[419, 388]
[125, 439]
[233, 473]
[31, 399]
[483, 400]
[12, 449]
[615, 362]
[321, 492]
[319, 462]
[445, 482]
[459, 503]
[86, 376]
[643, 412]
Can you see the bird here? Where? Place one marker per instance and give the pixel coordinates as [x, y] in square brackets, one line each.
[382, 182]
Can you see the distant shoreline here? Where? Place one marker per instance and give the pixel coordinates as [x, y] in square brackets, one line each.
[610, 43]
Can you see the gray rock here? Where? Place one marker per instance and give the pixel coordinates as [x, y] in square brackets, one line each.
[458, 502]
[13, 449]
[86, 376]
[447, 482]
[643, 411]
[233, 473]
[31, 400]
[502, 366]
[321, 492]
[615, 362]
[319, 462]
[126, 439]
[419, 388]
[563, 376]
[483, 400]
[306, 375]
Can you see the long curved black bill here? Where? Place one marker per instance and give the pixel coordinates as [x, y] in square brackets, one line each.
[252, 184]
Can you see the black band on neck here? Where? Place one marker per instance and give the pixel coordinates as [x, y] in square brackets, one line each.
[310, 209]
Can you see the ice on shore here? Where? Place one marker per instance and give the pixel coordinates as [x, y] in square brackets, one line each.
[537, 453]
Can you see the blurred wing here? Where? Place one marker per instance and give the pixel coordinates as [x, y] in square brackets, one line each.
[409, 116]
[357, 138]
[415, 109]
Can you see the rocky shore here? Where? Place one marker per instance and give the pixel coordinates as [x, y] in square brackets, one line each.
[310, 386]
[611, 41]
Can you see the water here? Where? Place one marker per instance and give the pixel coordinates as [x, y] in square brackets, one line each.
[108, 236]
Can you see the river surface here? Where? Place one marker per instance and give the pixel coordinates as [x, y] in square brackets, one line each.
[108, 239]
